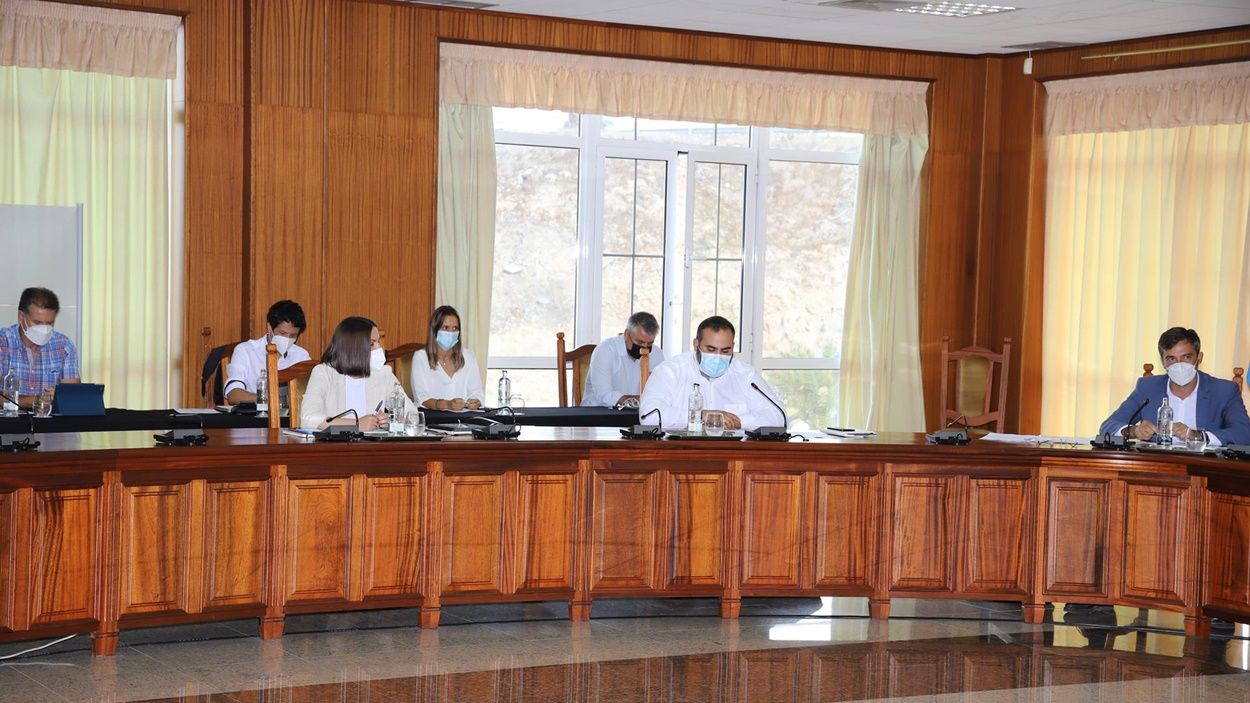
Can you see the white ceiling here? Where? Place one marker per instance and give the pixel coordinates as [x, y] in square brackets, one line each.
[1074, 21]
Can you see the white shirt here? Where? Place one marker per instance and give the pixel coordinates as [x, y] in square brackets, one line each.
[248, 361]
[1186, 411]
[614, 373]
[434, 382]
[671, 382]
[354, 393]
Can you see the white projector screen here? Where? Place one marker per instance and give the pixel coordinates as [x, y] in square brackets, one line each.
[44, 246]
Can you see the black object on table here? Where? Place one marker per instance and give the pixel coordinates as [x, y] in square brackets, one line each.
[118, 420]
[545, 417]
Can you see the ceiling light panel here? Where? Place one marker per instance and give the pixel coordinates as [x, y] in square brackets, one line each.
[954, 9]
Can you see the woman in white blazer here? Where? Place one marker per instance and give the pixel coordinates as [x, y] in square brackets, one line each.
[352, 375]
[450, 378]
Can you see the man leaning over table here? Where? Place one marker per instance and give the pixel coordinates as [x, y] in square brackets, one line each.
[1198, 400]
[41, 356]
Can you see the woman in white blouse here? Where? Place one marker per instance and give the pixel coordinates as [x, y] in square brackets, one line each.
[450, 380]
[352, 375]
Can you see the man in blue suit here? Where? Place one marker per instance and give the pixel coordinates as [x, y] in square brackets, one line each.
[1198, 400]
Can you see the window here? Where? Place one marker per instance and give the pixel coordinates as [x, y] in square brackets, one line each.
[600, 217]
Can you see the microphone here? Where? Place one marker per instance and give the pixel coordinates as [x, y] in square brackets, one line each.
[341, 433]
[948, 436]
[184, 436]
[641, 431]
[768, 433]
[20, 442]
[1117, 440]
[494, 429]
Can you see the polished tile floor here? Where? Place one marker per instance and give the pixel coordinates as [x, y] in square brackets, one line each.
[779, 650]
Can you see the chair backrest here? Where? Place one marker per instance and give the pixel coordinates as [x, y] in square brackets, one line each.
[1239, 377]
[1147, 370]
[295, 378]
[580, 358]
[645, 369]
[213, 374]
[400, 359]
[976, 384]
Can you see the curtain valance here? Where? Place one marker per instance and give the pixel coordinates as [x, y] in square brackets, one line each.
[89, 39]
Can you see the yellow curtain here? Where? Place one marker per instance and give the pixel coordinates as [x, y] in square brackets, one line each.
[1145, 229]
[102, 140]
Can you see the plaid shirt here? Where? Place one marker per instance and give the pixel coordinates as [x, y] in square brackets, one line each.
[39, 369]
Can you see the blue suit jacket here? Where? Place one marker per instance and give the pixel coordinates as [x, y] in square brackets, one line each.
[1221, 410]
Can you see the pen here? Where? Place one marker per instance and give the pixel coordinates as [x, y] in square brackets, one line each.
[379, 408]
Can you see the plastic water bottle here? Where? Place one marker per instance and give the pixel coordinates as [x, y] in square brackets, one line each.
[1164, 422]
[262, 391]
[11, 389]
[694, 415]
[505, 389]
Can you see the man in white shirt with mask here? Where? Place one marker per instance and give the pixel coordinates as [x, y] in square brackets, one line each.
[1198, 400]
[286, 323]
[724, 381]
[615, 375]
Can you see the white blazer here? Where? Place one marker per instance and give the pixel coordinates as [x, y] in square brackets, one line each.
[326, 395]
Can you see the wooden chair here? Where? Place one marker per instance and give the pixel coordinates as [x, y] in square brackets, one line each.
[1239, 377]
[1147, 370]
[295, 378]
[580, 358]
[645, 368]
[974, 384]
[213, 374]
[400, 359]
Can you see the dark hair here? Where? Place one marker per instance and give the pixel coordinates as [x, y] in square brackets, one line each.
[716, 323]
[348, 351]
[40, 298]
[644, 321]
[286, 311]
[441, 313]
[1175, 336]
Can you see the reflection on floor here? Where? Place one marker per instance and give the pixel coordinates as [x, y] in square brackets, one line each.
[779, 650]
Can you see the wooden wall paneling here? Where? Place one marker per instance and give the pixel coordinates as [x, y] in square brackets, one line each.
[155, 548]
[996, 536]
[63, 555]
[1077, 538]
[624, 531]
[923, 532]
[583, 541]
[919, 673]
[845, 527]
[988, 671]
[319, 539]
[626, 679]
[1228, 551]
[8, 558]
[1158, 543]
[393, 536]
[772, 517]
[845, 673]
[770, 675]
[235, 570]
[473, 521]
[1056, 669]
[697, 530]
[547, 517]
[684, 678]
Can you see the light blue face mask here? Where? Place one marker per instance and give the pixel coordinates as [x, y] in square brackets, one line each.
[446, 339]
[714, 365]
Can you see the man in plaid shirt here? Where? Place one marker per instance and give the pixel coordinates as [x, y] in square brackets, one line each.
[40, 355]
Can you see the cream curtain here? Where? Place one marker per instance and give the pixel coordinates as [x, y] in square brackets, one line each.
[880, 379]
[491, 77]
[1147, 227]
[465, 257]
[89, 39]
[102, 141]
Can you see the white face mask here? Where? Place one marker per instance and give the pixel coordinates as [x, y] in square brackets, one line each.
[282, 343]
[377, 359]
[39, 334]
[1182, 373]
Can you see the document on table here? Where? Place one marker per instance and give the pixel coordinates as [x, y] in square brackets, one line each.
[848, 433]
[1034, 439]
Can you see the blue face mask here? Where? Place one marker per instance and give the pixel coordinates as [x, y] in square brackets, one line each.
[446, 339]
[714, 365]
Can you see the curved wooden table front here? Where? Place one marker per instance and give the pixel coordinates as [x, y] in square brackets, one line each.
[103, 531]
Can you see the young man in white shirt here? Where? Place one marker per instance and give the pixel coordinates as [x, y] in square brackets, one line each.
[724, 381]
[615, 375]
[286, 324]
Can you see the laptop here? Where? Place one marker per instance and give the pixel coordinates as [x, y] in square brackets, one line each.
[78, 399]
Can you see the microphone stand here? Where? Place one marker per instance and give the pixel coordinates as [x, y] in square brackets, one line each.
[769, 433]
[1116, 441]
[341, 433]
[641, 431]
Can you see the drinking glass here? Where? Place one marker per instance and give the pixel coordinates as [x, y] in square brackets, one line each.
[414, 423]
[713, 423]
[516, 400]
[42, 405]
[1196, 440]
[395, 405]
